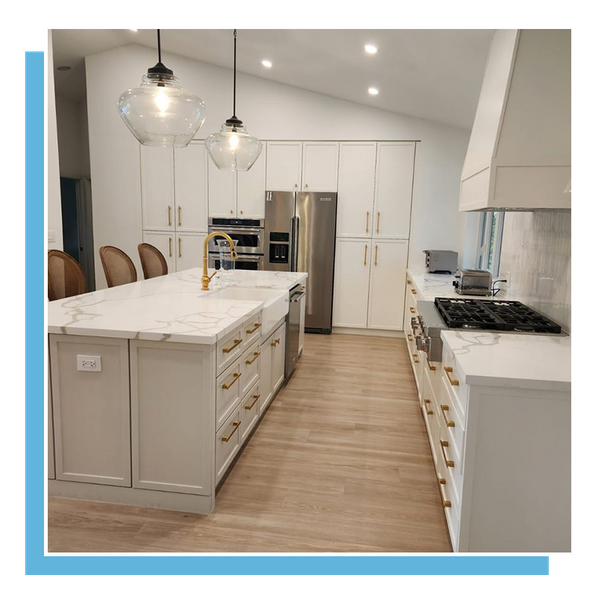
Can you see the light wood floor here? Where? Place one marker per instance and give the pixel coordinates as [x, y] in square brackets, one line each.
[340, 463]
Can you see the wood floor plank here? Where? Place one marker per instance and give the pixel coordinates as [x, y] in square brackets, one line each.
[340, 463]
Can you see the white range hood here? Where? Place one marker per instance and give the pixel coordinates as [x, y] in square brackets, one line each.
[519, 154]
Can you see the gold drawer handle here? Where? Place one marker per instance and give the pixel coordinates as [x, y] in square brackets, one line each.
[445, 408]
[410, 337]
[452, 381]
[179, 246]
[413, 310]
[170, 246]
[179, 216]
[256, 326]
[426, 402]
[365, 260]
[256, 355]
[236, 376]
[275, 342]
[376, 248]
[444, 444]
[408, 281]
[169, 214]
[413, 291]
[378, 216]
[367, 228]
[235, 343]
[416, 357]
[256, 397]
[235, 424]
[445, 503]
[431, 367]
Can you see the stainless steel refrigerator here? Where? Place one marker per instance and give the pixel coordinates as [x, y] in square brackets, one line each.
[300, 236]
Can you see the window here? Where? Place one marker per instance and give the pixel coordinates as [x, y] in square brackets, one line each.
[490, 242]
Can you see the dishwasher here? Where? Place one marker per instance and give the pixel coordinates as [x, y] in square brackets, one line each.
[292, 337]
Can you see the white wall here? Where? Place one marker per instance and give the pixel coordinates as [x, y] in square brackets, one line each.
[270, 111]
[53, 181]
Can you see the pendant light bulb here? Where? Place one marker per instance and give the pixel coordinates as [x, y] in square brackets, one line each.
[232, 149]
[160, 112]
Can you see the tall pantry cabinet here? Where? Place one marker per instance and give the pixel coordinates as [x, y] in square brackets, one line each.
[175, 202]
[375, 190]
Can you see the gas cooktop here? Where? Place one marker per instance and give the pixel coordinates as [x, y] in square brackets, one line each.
[495, 315]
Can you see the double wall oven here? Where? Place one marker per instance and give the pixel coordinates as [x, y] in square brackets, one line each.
[249, 234]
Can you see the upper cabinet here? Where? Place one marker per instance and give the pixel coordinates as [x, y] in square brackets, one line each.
[519, 153]
[320, 167]
[191, 185]
[393, 189]
[158, 205]
[222, 190]
[251, 189]
[284, 166]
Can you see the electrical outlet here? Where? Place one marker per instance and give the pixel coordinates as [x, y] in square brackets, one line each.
[89, 363]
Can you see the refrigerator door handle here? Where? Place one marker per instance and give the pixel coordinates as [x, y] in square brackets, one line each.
[294, 245]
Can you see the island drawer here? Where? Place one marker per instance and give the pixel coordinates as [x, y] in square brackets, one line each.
[228, 442]
[451, 503]
[229, 349]
[249, 411]
[250, 368]
[251, 330]
[454, 379]
[229, 391]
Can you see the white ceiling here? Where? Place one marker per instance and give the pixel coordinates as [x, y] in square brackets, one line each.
[425, 73]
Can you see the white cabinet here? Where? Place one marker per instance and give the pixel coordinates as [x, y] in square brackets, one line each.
[165, 242]
[393, 189]
[351, 286]
[320, 167]
[388, 273]
[158, 202]
[278, 357]
[189, 250]
[191, 183]
[222, 191]
[356, 189]
[519, 153]
[284, 166]
[251, 186]
[272, 366]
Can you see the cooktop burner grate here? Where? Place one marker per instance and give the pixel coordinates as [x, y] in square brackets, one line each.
[495, 315]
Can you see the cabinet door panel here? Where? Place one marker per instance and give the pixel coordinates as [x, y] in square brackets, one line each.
[284, 166]
[191, 188]
[320, 160]
[265, 383]
[189, 250]
[91, 410]
[251, 189]
[158, 210]
[221, 192]
[393, 190]
[351, 290]
[356, 189]
[165, 242]
[173, 417]
[51, 469]
[388, 275]
[278, 357]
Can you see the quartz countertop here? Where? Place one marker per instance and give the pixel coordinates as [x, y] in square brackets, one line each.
[169, 308]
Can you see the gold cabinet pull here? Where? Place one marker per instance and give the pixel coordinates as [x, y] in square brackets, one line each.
[256, 397]
[306, 185]
[445, 503]
[170, 246]
[410, 337]
[178, 216]
[365, 260]
[448, 371]
[378, 215]
[256, 326]
[444, 444]
[367, 227]
[408, 281]
[169, 214]
[431, 367]
[376, 248]
[426, 403]
[235, 343]
[236, 376]
[413, 310]
[445, 408]
[235, 424]
[413, 291]
[256, 355]
[179, 247]
[416, 357]
[275, 342]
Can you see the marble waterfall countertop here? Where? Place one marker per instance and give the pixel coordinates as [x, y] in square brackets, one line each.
[169, 308]
[531, 361]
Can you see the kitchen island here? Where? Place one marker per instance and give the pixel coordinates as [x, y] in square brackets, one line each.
[155, 386]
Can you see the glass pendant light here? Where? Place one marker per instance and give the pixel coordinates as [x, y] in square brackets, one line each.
[232, 149]
[160, 112]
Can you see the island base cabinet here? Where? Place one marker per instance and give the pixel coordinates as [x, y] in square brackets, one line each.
[272, 367]
[228, 442]
[173, 416]
[90, 409]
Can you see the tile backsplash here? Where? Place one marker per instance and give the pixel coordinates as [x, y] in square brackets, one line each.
[536, 260]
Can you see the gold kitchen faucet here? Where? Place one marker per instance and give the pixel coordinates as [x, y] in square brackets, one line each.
[205, 278]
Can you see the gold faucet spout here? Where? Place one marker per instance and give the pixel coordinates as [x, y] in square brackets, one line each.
[205, 278]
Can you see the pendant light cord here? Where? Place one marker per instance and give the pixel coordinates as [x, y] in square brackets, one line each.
[234, 66]
[159, 54]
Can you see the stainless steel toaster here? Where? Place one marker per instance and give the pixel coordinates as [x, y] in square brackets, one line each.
[473, 282]
[441, 261]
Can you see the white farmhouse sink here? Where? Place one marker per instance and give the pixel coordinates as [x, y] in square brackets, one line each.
[276, 303]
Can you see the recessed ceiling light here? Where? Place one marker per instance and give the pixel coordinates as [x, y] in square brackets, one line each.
[133, 30]
[64, 68]
[370, 49]
[267, 63]
[373, 91]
